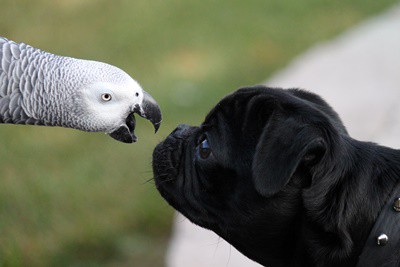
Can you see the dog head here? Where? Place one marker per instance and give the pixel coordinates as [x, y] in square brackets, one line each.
[242, 172]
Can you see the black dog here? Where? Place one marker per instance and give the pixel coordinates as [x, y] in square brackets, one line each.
[275, 173]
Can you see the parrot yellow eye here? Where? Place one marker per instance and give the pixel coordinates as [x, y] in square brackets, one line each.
[106, 97]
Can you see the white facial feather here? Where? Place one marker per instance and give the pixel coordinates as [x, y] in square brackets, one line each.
[111, 114]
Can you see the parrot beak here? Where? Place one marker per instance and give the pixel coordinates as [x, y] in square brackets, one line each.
[149, 110]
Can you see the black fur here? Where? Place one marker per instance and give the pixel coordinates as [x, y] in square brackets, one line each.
[285, 184]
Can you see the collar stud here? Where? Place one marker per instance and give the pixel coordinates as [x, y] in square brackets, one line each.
[382, 240]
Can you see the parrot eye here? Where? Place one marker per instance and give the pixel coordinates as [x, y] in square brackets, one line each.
[106, 97]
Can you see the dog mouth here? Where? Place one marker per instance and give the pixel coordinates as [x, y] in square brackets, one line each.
[174, 177]
[167, 169]
[167, 158]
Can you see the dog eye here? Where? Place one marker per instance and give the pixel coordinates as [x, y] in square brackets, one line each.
[204, 149]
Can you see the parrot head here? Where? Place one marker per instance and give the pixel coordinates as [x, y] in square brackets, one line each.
[109, 101]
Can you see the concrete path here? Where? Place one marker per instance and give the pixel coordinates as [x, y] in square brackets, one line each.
[358, 73]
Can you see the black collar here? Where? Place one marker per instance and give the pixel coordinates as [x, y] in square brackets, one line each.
[382, 247]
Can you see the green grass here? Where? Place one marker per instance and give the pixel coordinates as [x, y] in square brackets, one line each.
[69, 198]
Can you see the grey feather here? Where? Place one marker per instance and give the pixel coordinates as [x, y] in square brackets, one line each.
[19, 78]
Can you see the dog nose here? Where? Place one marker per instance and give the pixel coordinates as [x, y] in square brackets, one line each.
[181, 131]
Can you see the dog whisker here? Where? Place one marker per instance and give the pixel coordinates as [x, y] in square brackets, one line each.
[148, 181]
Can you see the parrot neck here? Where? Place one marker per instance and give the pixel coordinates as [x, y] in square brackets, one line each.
[34, 97]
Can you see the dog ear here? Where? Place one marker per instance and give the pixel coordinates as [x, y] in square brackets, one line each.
[284, 145]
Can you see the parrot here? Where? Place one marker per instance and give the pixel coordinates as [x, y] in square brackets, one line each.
[40, 88]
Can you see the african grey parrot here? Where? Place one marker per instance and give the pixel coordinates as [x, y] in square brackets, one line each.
[40, 88]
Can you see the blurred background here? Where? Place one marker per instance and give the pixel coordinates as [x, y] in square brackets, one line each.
[69, 198]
